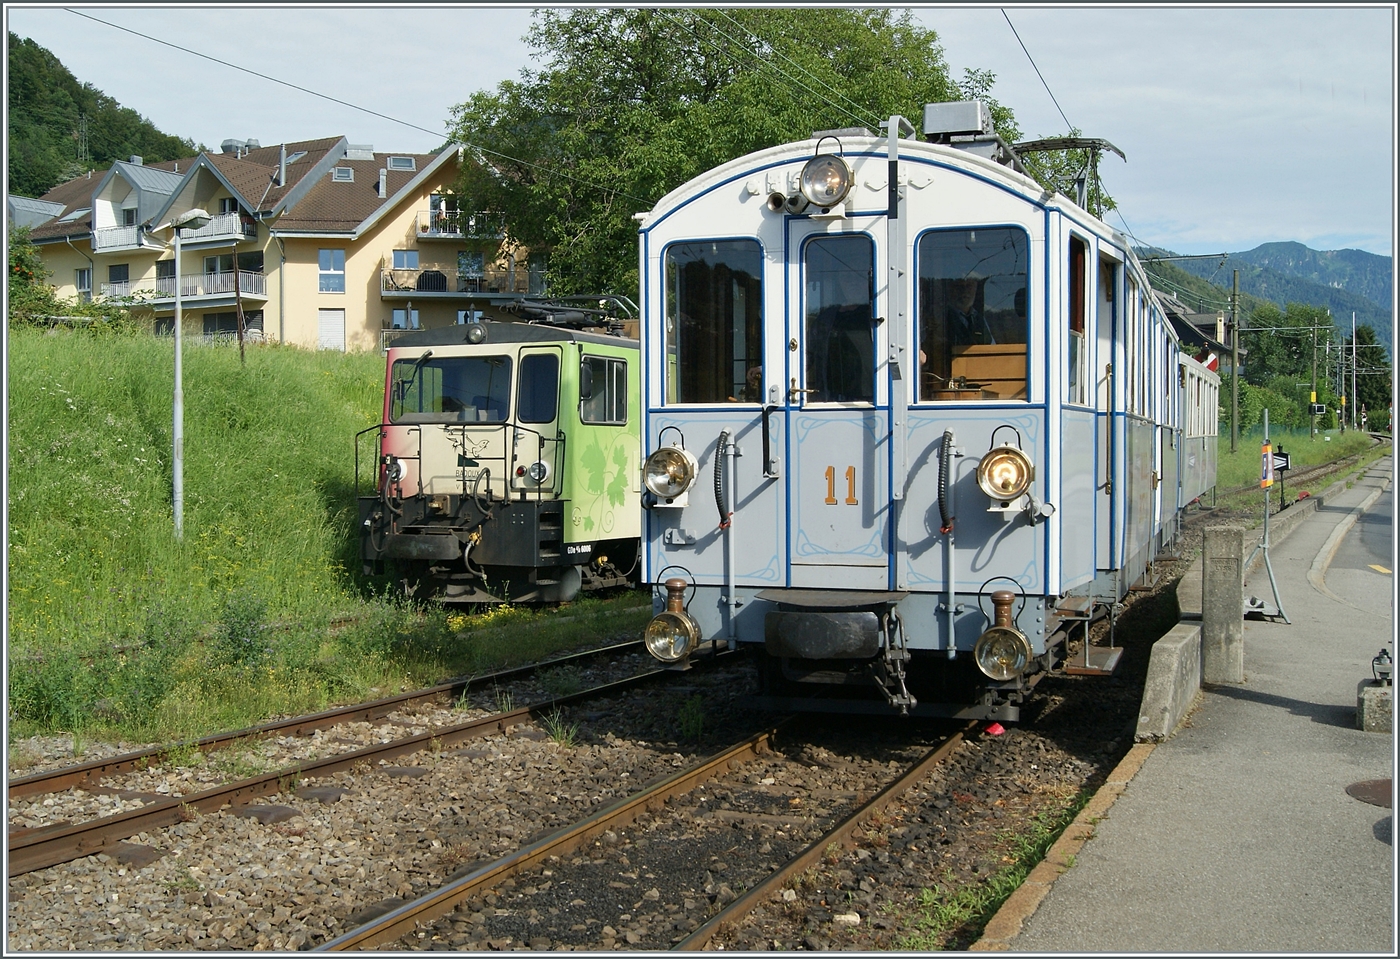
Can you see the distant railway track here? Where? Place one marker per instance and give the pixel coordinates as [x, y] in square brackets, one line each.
[1320, 471]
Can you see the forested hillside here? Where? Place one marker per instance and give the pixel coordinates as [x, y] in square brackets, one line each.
[45, 108]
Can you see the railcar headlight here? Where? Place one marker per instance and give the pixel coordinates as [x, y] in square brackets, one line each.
[1002, 652]
[826, 179]
[673, 634]
[1005, 473]
[476, 333]
[669, 472]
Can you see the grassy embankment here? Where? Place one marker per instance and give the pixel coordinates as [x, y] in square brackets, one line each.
[1242, 467]
[116, 630]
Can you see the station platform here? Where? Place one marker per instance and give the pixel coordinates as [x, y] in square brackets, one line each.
[1237, 833]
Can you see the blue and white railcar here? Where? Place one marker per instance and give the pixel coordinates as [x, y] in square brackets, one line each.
[906, 417]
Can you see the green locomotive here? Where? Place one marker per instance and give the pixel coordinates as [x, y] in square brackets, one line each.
[508, 466]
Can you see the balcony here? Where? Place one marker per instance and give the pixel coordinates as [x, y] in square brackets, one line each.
[452, 225]
[405, 284]
[224, 228]
[211, 284]
[112, 239]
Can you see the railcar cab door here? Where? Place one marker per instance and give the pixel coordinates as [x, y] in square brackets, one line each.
[837, 481]
[535, 454]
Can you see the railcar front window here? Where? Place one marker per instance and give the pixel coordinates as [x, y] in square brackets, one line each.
[714, 322]
[840, 339]
[972, 308]
[451, 389]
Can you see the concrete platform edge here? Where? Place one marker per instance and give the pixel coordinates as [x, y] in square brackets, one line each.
[1022, 904]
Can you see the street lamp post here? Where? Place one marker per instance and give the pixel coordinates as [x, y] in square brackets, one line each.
[194, 219]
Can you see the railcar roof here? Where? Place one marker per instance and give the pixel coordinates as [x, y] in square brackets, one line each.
[497, 332]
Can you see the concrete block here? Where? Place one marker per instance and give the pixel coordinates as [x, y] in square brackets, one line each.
[1373, 706]
[1173, 681]
[1222, 605]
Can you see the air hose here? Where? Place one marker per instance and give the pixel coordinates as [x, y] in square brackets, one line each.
[725, 518]
[945, 459]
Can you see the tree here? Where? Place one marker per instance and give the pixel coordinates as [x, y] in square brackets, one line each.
[1283, 345]
[33, 302]
[630, 103]
[1373, 379]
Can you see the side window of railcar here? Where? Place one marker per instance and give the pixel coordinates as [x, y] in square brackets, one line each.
[838, 292]
[538, 400]
[1077, 352]
[714, 328]
[972, 309]
[451, 389]
[604, 380]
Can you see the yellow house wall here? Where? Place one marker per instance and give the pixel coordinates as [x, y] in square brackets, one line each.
[64, 262]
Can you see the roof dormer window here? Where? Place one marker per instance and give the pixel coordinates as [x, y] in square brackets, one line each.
[343, 174]
[403, 163]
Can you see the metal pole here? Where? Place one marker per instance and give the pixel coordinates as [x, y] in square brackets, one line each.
[1235, 364]
[1353, 370]
[1312, 417]
[177, 495]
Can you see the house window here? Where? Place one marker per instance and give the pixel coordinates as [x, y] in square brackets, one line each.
[539, 279]
[604, 379]
[332, 271]
[227, 322]
[405, 259]
[405, 320]
[468, 316]
[228, 205]
[223, 263]
[330, 329]
[82, 279]
[129, 217]
[118, 273]
[402, 163]
[343, 174]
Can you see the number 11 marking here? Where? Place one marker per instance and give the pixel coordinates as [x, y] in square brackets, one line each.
[850, 486]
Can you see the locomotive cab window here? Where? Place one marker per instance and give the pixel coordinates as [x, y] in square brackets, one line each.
[972, 308]
[539, 388]
[1076, 349]
[450, 389]
[603, 390]
[714, 322]
[840, 353]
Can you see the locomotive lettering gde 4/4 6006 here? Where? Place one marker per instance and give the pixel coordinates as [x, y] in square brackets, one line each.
[508, 464]
[907, 418]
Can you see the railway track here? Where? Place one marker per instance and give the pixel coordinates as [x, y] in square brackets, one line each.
[37, 848]
[1321, 470]
[406, 925]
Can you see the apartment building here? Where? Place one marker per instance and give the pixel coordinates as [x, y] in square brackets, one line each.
[322, 243]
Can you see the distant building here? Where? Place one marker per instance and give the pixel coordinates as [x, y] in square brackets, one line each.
[1204, 335]
[327, 244]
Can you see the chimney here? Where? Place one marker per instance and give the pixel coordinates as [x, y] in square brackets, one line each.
[282, 167]
[383, 183]
[137, 161]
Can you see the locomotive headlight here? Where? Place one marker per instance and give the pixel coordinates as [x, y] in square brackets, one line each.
[1005, 473]
[669, 472]
[476, 333]
[537, 472]
[826, 180]
[1002, 652]
[673, 634]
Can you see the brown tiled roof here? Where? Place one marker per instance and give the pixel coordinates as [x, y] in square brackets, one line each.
[252, 174]
[332, 207]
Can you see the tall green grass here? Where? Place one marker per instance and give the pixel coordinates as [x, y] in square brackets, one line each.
[1243, 466]
[115, 628]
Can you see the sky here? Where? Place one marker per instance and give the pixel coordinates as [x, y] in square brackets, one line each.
[1241, 124]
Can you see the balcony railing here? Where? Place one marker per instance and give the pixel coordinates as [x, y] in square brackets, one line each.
[122, 288]
[452, 280]
[225, 224]
[452, 225]
[211, 284]
[116, 238]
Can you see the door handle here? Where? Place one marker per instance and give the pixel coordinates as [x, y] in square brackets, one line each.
[770, 462]
[795, 391]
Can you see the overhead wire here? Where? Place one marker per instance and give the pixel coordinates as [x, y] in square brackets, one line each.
[1068, 125]
[354, 106]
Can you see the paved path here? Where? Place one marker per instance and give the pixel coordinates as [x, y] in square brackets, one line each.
[1237, 834]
